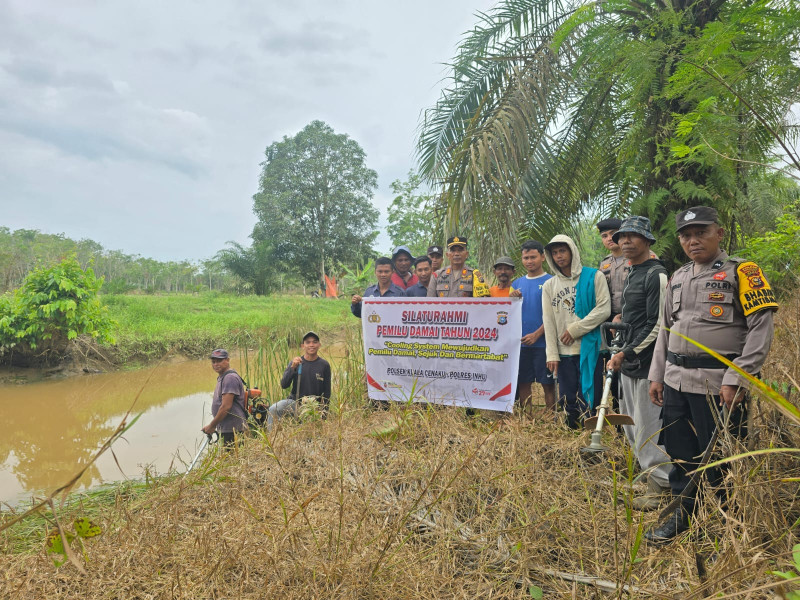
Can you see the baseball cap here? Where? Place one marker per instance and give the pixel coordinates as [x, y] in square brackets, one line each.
[503, 260]
[435, 250]
[311, 334]
[220, 353]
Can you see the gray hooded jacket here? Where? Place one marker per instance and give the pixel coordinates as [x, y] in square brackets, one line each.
[558, 304]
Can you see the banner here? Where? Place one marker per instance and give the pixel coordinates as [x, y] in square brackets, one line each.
[453, 351]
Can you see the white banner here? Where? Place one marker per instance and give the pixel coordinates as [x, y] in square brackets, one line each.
[454, 351]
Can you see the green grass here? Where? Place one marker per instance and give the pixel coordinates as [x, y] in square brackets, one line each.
[151, 326]
[29, 534]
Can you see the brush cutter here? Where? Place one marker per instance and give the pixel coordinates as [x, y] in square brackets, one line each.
[210, 439]
[603, 416]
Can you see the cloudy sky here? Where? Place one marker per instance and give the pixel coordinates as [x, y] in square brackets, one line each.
[141, 125]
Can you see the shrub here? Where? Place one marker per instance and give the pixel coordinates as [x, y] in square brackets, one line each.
[778, 252]
[54, 305]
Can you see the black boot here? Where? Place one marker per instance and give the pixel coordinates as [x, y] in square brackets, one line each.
[675, 524]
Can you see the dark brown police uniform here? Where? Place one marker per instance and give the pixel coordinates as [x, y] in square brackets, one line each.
[727, 306]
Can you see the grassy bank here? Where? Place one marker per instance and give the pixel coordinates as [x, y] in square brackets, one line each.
[447, 507]
[428, 503]
[151, 326]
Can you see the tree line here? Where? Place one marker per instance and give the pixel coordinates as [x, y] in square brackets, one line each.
[22, 250]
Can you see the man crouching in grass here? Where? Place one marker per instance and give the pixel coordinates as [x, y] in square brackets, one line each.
[228, 404]
[309, 375]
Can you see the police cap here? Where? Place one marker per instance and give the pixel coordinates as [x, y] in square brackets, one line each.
[697, 215]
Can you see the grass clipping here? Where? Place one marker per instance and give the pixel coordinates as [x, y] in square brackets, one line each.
[450, 507]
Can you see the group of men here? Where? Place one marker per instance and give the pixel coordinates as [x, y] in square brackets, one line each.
[307, 374]
[725, 303]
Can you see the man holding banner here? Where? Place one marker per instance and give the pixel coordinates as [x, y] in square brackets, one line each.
[383, 272]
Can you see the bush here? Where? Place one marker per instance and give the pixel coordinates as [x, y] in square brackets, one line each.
[778, 252]
[53, 306]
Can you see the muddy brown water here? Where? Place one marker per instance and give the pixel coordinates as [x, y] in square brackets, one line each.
[52, 428]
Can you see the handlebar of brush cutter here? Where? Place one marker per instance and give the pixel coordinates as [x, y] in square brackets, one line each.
[211, 438]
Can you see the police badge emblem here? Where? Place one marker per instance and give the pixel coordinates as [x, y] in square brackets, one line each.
[502, 317]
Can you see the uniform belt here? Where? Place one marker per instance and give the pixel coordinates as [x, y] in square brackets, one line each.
[698, 362]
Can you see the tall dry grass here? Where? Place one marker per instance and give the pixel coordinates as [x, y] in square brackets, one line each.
[441, 506]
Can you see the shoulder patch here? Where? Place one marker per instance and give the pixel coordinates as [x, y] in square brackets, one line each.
[755, 292]
[479, 287]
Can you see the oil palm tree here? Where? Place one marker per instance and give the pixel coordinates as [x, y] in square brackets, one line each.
[559, 110]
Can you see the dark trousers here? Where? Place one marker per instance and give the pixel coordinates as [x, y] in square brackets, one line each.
[230, 439]
[570, 396]
[688, 428]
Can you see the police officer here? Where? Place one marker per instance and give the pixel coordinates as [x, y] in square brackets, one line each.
[457, 280]
[726, 304]
[436, 256]
[614, 265]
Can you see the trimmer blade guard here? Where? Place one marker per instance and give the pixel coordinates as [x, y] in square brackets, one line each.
[613, 420]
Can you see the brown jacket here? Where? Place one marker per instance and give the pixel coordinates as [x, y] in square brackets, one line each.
[717, 308]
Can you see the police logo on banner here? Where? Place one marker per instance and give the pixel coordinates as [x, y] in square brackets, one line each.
[502, 317]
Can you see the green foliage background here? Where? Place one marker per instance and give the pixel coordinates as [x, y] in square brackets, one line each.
[557, 109]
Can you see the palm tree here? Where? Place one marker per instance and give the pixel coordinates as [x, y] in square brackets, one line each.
[562, 110]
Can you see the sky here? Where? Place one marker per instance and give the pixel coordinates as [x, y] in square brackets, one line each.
[142, 125]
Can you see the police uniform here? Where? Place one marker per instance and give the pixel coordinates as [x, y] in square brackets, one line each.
[615, 270]
[465, 283]
[727, 306]
[453, 284]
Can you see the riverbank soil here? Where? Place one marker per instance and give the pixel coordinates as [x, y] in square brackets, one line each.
[438, 505]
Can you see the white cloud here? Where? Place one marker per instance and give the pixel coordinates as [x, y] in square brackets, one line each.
[142, 126]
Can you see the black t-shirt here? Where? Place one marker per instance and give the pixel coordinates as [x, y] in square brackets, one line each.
[315, 379]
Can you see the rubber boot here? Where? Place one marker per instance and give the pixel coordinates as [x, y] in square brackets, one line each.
[652, 498]
[675, 524]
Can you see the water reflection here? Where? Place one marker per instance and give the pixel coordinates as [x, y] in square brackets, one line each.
[53, 428]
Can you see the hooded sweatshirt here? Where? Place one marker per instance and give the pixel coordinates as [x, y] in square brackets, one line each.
[558, 304]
